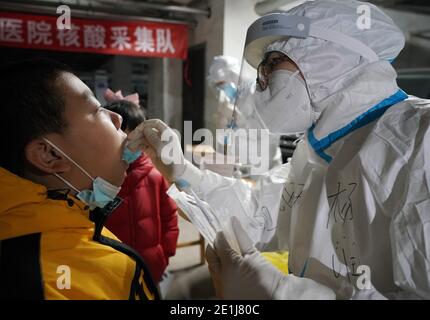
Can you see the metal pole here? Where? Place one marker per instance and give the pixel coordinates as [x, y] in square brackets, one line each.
[159, 7]
[82, 13]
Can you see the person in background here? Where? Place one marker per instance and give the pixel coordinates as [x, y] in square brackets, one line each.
[222, 79]
[147, 220]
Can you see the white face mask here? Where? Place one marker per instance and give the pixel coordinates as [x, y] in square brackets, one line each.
[284, 107]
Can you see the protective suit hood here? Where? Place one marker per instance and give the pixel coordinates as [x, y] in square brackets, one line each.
[339, 73]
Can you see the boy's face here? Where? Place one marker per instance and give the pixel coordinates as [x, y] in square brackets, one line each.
[93, 138]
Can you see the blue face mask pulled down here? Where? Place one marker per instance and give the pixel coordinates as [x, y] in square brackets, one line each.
[230, 91]
[130, 156]
[102, 193]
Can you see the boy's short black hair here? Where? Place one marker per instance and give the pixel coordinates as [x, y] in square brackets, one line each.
[131, 113]
[32, 105]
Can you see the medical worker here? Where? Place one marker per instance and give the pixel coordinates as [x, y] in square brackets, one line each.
[353, 208]
[223, 80]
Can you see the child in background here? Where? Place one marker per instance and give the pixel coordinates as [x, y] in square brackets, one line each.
[147, 220]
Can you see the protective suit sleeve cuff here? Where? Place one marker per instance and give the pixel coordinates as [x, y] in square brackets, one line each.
[191, 176]
[297, 288]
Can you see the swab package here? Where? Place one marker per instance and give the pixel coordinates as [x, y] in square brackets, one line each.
[203, 217]
[256, 205]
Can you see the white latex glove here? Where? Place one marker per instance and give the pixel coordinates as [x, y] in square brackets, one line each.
[162, 145]
[250, 276]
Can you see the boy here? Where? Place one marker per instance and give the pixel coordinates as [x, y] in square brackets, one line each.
[61, 156]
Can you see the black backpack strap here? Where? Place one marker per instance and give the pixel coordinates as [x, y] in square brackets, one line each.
[136, 289]
[20, 270]
[99, 216]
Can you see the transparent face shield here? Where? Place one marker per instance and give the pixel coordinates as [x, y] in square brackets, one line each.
[243, 113]
[243, 138]
[253, 93]
[263, 32]
[248, 138]
[250, 132]
[256, 88]
[253, 75]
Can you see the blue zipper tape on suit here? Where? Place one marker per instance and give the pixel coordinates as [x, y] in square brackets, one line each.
[373, 113]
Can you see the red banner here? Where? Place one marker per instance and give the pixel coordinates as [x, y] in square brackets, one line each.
[145, 39]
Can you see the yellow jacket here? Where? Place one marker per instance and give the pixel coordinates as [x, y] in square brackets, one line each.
[50, 249]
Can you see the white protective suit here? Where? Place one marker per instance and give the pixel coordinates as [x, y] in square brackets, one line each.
[357, 189]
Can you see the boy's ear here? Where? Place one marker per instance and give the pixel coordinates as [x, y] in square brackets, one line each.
[45, 158]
